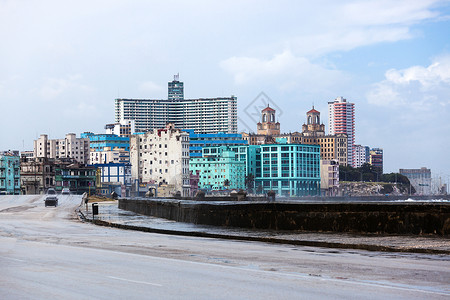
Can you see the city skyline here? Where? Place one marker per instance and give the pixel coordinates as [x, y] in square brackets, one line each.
[65, 64]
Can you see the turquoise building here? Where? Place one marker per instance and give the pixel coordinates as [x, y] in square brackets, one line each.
[219, 169]
[198, 141]
[10, 173]
[249, 154]
[288, 169]
[98, 142]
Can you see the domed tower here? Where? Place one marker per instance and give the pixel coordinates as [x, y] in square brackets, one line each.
[268, 126]
[313, 126]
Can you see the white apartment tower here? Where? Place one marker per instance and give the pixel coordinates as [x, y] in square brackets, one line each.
[361, 155]
[69, 147]
[341, 118]
[203, 115]
[161, 156]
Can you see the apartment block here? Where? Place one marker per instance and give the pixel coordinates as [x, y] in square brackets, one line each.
[161, 156]
[376, 158]
[115, 177]
[78, 178]
[198, 141]
[288, 169]
[124, 128]
[69, 147]
[37, 175]
[341, 118]
[329, 177]
[362, 155]
[10, 173]
[203, 115]
[220, 171]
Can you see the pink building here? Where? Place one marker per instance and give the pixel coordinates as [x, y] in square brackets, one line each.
[341, 118]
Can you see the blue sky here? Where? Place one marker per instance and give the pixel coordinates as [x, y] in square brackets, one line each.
[62, 64]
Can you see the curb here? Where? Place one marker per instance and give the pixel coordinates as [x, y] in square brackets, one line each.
[267, 239]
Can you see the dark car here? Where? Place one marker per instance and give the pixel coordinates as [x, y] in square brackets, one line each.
[51, 199]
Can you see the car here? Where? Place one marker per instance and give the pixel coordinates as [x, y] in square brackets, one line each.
[65, 191]
[52, 198]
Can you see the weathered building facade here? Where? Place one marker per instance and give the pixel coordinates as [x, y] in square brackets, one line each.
[161, 156]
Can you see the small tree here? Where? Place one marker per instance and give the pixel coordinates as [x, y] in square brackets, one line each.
[249, 181]
[226, 183]
[259, 189]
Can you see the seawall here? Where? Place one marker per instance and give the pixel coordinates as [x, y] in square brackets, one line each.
[357, 217]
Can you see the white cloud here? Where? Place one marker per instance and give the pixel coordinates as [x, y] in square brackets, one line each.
[284, 70]
[346, 26]
[385, 12]
[53, 88]
[416, 87]
[434, 75]
[86, 108]
[150, 87]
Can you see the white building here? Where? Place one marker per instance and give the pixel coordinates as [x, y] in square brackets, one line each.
[161, 156]
[341, 119]
[362, 155]
[329, 177]
[203, 115]
[108, 155]
[115, 177]
[212, 115]
[69, 147]
[123, 128]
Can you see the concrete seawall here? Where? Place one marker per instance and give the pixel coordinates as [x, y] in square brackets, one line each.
[392, 218]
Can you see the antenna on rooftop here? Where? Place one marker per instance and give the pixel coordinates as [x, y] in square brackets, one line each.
[176, 77]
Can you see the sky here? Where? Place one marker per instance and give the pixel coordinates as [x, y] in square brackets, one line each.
[62, 64]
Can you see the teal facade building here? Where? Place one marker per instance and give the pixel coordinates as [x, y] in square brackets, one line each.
[10, 173]
[98, 142]
[218, 169]
[290, 169]
[287, 169]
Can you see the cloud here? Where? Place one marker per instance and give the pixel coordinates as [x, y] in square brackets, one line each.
[150, 87]
[387, 12]
[54, 88]
[284, 70]
[416, 87]
[347, 26]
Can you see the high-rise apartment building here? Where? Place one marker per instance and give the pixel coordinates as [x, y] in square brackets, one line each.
[69, 147]
[341, 118]
[203, 115]
[176, 89]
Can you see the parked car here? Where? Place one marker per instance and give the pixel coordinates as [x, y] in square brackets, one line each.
[65, 191]
[52, 198]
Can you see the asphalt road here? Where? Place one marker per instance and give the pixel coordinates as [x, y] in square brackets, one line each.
[46, 253]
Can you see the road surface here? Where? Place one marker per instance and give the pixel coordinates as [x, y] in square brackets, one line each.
[46, 253]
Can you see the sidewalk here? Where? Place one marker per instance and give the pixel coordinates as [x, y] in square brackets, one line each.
[111, 215]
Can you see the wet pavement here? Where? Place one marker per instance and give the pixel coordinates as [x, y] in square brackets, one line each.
[111, 215]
